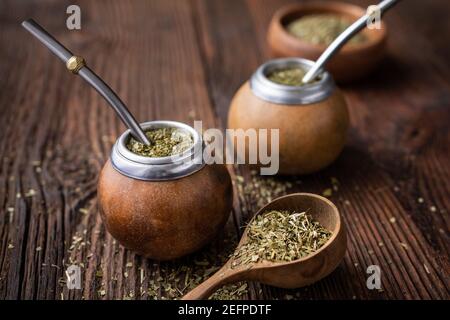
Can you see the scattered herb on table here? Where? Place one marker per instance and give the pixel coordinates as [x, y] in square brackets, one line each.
[173, 279]
[257, 190]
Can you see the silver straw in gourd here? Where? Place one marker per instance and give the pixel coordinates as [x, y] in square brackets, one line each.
[77, 65]
[345, 36]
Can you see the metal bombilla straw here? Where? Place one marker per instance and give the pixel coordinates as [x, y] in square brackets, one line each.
[357, 26]
[77, 65]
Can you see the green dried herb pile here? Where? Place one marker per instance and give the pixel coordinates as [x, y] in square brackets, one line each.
[165, 142]
[322, 29]
[280, 236]
[288, 76]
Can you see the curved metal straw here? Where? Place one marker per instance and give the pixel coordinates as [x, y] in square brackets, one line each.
[87, 74]
[343, 38]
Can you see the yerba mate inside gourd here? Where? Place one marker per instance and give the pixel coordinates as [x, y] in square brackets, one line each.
[280, 236]
[165, 142]
[288, 76]
[322, 29]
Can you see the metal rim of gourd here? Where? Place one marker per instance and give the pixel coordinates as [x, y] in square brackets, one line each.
[273, 92]
[158, 169]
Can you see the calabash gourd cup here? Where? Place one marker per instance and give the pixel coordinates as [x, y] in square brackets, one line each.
[312, 119]
[163, 208]
[353, 62]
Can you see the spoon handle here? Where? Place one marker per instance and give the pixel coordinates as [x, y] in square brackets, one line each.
[209, 286]
[357, 26]
[77, 65]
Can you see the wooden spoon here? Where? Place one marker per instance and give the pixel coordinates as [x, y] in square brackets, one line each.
[294, 274]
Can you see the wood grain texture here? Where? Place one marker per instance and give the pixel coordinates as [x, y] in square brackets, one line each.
[184, 60]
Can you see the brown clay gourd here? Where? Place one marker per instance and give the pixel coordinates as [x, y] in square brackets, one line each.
[352, 62]
[313, 118]
[163, 208]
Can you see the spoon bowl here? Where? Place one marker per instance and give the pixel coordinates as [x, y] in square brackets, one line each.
[293, 274]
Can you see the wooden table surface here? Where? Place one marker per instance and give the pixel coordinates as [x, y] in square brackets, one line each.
[183, 60]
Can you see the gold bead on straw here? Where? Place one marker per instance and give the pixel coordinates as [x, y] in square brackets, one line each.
[75, 63]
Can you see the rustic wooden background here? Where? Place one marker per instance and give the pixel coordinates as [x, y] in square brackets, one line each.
[183, 60]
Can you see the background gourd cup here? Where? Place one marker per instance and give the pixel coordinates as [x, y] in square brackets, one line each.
[312, 120]
[352, 62]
